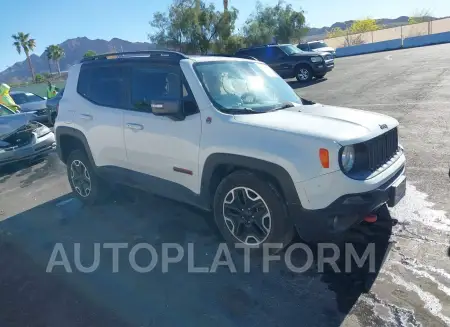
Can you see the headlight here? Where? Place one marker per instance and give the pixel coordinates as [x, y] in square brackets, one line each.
[316, 59]
[348, 158]
[42, 131]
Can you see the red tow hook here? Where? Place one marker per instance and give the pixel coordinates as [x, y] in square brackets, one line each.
[370, 218]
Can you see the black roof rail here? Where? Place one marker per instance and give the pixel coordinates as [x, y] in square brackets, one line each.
[173, 55]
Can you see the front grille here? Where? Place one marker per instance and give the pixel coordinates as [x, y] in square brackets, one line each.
[328, 57]
[381, 149]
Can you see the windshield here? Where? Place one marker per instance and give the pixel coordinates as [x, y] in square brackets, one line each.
[317, 45]
[290, 49]
[21, 98]
[239, 86]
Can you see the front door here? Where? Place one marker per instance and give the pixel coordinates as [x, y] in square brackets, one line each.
[162, 150]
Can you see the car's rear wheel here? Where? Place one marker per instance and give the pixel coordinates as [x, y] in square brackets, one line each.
[250, 211]
[303, 73]
[85, 184]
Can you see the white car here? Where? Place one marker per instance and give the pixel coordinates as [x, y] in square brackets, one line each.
[317, 46]
[230, 136]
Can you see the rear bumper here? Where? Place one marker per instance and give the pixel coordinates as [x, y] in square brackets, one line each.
[331, 222]
[38, 147]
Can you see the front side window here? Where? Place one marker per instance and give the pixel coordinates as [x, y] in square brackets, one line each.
[317, 45]
[104, 85]
[243, 86]
[150, 84]
[303, 47]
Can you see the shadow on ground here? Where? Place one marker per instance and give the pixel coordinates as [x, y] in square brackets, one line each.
[177, 297]
[297, 85]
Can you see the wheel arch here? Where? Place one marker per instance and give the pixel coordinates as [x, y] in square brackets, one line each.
[219, 165]
[68, 139]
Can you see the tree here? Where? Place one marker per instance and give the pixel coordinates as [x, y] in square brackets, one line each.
[336, 32]
[192, 26]
[89, 53]
[364, 25]
[56, 53]
[420, 16]
[23, 42]
[280, 22]
[48, 54]
[38, 78]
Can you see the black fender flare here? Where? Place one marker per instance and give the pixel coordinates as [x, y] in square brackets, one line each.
[75, 133]
[283, 178]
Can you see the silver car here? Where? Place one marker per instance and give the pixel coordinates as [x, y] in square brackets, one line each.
[22, 138]
[32, 103]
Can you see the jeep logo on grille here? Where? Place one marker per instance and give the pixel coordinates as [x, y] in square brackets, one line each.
[383, 126]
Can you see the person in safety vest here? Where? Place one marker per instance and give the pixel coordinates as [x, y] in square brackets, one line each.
[51, 90]
[6, 100]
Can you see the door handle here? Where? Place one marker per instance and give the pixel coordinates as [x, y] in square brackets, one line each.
[86, 116]
[135, 127]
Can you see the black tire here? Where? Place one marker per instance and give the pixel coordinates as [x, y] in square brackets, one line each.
[98, 189]
[319, 76]
[303, 73]
[281, 228]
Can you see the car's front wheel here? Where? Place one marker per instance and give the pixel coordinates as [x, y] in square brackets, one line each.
[250, 211]
[85, 184]
[303, 73]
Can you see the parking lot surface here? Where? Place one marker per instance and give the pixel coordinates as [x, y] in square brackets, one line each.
[37, 211]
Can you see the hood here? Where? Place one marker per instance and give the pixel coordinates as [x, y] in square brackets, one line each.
[324, 49]
[4, 89]
[11, 123]
[304, 53]
[343, 125]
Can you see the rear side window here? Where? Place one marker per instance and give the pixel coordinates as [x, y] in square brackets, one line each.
[104, 85]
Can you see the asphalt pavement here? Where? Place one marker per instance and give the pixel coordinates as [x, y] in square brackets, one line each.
[37, 211]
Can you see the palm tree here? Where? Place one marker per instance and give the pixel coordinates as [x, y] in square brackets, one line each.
[48, 53]
[56, 53]
[22, 42]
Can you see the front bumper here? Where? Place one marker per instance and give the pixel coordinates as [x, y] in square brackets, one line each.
[323, 67]
[331, 222]
[38, 147]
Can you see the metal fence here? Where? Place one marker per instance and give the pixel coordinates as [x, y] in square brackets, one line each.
[400, 32]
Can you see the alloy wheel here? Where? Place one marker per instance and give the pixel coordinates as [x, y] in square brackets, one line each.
[80, 177]
[247, 216]
[303, 74]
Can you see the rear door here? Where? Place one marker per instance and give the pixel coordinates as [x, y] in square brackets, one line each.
[98, 111]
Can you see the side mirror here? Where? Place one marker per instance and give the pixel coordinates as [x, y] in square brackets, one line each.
[170, 108]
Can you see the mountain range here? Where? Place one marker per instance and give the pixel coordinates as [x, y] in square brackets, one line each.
[75, 49]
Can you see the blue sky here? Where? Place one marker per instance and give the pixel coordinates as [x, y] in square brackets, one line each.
[52, 22]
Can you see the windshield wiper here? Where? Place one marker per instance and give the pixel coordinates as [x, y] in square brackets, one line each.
[283, 106]
[240, 111]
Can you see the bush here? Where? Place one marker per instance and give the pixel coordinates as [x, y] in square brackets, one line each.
[39, 78]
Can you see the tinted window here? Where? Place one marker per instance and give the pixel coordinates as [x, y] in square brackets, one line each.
[150, 84]
[317, 45]
[104, 85]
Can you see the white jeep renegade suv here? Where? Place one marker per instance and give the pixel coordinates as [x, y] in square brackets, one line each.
[227, 135]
